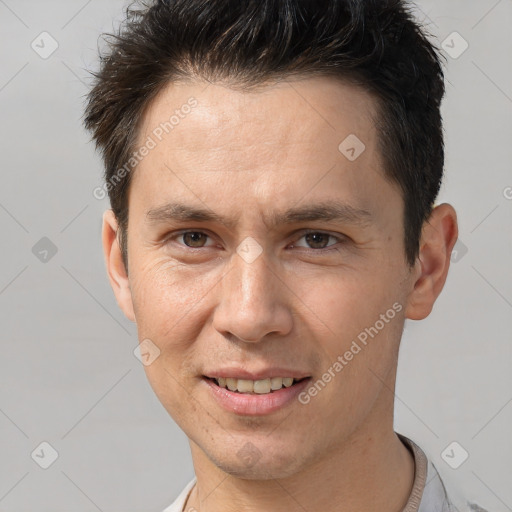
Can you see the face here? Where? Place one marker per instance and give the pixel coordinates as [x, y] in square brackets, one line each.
[293, 267]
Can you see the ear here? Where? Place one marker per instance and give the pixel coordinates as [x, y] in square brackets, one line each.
[116, 270]
[438, 237]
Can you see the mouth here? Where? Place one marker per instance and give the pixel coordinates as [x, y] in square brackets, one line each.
[255, 387]
[255, 397]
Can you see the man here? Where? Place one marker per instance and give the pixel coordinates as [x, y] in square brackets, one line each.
[272, 168]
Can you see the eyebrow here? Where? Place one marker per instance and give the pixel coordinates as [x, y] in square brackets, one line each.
[323, 211]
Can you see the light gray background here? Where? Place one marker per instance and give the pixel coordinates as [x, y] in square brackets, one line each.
[68, 375]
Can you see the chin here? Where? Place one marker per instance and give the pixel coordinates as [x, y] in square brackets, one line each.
[260, 471]
[252, 463]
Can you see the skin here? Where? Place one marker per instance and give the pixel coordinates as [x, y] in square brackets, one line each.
[245, 155]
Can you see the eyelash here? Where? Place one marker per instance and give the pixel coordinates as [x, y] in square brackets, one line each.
[340, 239]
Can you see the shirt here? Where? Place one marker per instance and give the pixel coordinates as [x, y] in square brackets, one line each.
[428, 494]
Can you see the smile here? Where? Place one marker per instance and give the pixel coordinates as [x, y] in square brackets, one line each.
[261, 386]
[245, 397]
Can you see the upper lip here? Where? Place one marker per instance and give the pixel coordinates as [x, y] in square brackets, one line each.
[265, 373]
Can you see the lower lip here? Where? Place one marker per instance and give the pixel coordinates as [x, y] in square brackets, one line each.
[254, 404]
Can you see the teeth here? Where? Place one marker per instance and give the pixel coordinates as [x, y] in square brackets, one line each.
[276, 383]
[262, 386]
[245, 386]
[287, 382]
[231, 383]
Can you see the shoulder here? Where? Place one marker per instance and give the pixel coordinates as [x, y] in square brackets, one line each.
[178, 504]
[436, 493]
[448, 494]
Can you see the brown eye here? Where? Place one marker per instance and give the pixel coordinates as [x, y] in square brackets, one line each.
[194, 239]
[318, 240]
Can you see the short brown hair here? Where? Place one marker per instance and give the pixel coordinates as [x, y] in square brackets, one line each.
[374, 43]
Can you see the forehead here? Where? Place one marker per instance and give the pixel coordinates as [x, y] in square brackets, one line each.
[280, 141]
[287, 116]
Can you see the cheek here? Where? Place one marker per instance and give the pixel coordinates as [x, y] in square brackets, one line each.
[164, 293]
[347, 302]
[360, 319]
[171, 308]
[167, 303]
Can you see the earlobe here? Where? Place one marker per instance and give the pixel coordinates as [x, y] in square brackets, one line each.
[439, 235]
[115, 266]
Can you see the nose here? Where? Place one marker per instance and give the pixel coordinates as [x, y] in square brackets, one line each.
[254, 301]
